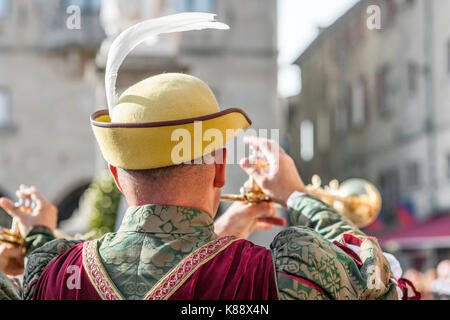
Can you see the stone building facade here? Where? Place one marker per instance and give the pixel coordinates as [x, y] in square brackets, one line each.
[377, 104]
[45, 98]
[51, 79]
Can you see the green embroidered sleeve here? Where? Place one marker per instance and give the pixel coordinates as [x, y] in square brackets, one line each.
[39, 258]
[309, 266]
[36, 238]
[9, 288]
[310, 212]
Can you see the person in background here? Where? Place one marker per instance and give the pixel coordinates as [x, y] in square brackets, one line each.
[415, 276]
[441, 286]
[428, 278]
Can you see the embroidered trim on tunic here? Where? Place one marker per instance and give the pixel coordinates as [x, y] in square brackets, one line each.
[97, 274]
[166, 286]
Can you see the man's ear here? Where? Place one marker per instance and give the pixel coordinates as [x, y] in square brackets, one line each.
[113, 171]
[220, 162]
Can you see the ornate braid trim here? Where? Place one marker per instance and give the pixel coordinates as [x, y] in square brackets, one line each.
[168, 284]
[97, 274]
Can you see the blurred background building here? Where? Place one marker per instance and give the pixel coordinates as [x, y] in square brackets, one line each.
[52, 79]
[46, 98]
[375, 104]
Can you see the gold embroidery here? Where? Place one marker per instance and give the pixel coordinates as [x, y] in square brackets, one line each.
[173, 280]
[166, 286]
[97, 273]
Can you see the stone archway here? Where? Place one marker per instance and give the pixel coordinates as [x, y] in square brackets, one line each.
[70, 201]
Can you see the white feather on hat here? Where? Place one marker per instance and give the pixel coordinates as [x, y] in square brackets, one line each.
[136, 34]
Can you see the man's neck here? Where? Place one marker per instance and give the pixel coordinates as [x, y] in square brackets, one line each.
[171, 200]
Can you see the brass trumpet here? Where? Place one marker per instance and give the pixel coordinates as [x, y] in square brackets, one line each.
[356, 199]
[13, 235]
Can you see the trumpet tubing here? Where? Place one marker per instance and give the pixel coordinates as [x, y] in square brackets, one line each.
[356, 199]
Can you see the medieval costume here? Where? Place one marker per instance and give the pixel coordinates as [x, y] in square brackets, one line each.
[172, 252]
[163, 252]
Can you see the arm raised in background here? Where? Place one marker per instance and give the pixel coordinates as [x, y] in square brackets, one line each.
[40, 243]
[308, 262]
[241, 219]
[11, 264]
[281, 179]
[37, 225]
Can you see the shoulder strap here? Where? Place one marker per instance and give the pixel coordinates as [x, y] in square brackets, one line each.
[173, 280]
[97, 274]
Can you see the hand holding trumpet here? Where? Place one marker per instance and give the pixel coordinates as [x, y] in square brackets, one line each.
[279, 178]
[241, 219]
[274, 177]
[31, 210]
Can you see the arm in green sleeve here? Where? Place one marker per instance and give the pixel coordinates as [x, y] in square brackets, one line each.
[313, 213]
[309, 267]
[308, 264]
[9, 288]
[37, 237]
[42, 247]
[39, 259]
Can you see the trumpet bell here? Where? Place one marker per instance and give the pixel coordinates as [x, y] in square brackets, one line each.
[362, 201]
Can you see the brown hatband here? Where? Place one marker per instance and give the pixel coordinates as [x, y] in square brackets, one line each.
[104, 112]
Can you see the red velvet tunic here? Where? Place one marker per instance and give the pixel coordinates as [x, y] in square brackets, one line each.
[226, 268]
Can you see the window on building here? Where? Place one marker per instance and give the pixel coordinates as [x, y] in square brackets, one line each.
[5, 108]
[323, 131]
[360, 108]
[412, 178]
[349, 105]
[390, 192]
[341, 116]
[413, 72]
[195, 5]
[384, 89]
[5, 6]
[307, 140]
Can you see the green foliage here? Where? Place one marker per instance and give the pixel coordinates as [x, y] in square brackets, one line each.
[102, 200]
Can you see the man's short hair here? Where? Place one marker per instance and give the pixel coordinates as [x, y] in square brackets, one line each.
[191, 167]
[158, 173]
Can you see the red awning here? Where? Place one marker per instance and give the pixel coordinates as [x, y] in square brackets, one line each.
[433, 233]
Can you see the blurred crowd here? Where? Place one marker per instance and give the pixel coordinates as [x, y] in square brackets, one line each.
[434, 284]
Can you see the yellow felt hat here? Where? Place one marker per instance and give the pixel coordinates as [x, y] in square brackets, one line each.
[165, 120]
